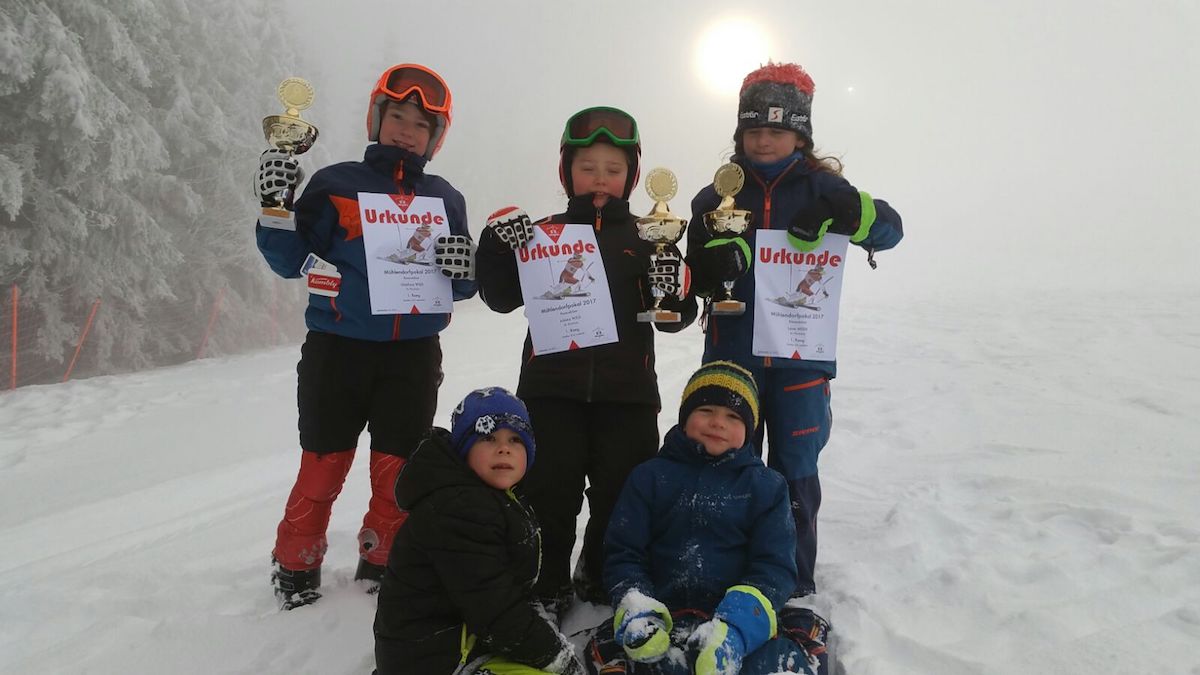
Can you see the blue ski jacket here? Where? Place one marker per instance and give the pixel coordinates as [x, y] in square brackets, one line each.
[688, 527]
[774, 203]
[328, 224]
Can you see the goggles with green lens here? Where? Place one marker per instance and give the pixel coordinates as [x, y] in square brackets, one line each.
[585, 126]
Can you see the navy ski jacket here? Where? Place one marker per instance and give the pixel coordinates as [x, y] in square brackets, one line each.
[774, 204]
[688, 527]
[328, 224]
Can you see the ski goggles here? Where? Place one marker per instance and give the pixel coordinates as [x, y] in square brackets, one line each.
[402, 81]
[585, 126]
[487, 424]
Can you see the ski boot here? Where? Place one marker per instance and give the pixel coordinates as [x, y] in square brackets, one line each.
[370, 574]
[295, 588]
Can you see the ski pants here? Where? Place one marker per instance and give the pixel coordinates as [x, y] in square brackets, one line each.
[599, 442]
[796, 421]
[344, 386]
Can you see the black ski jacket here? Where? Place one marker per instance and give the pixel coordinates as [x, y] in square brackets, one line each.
[622, 371]
[467, 556]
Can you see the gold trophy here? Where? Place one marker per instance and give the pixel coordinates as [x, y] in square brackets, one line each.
[292, 135]
[661, 228]
[727, 221]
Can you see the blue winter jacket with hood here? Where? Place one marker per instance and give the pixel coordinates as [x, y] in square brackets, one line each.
[328, 224]
[688, 527]
[775, 202]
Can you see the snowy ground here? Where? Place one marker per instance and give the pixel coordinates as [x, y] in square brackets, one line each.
[1012, 487]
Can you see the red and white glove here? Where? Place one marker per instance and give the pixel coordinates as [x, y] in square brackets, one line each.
[507, 230]
[669, 274]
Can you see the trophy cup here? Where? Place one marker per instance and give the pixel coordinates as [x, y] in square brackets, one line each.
[661, 228]
[728, 221]
[291, 134]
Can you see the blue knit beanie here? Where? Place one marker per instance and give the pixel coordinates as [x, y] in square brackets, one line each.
[484, 411]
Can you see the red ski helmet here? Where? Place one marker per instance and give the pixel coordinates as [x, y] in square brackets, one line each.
[604, 124]
[410, 81]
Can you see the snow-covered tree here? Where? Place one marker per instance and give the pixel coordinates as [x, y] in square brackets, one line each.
[131, 128]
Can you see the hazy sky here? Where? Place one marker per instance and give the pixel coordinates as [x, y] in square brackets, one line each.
[1029, 143]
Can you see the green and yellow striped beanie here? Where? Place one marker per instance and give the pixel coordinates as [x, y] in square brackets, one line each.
[723, 383]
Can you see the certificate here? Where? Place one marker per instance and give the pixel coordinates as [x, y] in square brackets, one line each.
[796, 297]
[565, 288]
[398, 235]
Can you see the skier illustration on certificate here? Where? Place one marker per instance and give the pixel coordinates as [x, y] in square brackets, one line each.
[572, 280]
[810, 292]
[417, 251]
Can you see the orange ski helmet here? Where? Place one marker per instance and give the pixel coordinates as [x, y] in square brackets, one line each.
[421, 84]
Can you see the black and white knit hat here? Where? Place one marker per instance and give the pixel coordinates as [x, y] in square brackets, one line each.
[776, 95]
[723, 383]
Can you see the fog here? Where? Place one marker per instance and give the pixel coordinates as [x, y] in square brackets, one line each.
[1027, 144]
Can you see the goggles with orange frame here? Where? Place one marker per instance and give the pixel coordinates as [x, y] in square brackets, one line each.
[402, 81]
[585, 126]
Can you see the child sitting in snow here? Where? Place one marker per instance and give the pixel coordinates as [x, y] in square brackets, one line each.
[457, 592]
[699, 554]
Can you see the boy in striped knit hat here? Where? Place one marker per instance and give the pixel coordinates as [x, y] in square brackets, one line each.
[699, 551]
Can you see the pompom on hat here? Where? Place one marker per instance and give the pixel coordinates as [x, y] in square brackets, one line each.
[482, 412]
[722, 383]
[776, 95]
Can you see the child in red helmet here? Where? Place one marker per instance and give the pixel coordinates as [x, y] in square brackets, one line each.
[360, 369]
[788, 187]
[594, 409]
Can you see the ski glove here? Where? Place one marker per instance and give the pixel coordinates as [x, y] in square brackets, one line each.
[565, 662]
[728, 258]
[642, 627]
[454, 256]
[838, 212]
[719, 648]
[277, 173]
[669, 274]
[507, 230]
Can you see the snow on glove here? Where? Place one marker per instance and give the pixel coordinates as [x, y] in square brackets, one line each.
[277, 172]
[836, 212]
[454, 256]
[642, 627]
[670, 275]
[565, 662]
[719, 648]
[507, 230]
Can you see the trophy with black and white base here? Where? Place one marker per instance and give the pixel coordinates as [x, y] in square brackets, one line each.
[289, 133]
[728, 221]
[661, 228]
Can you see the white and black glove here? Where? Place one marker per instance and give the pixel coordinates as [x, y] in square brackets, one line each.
[669, 274]
[277, 173]
[454, 256]
[507, 230]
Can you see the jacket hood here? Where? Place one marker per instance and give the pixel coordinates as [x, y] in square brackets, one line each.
[387, 158]
[432, 466]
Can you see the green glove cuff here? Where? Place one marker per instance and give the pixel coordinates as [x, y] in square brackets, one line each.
[734, 240]
[866, 220]
[653, 649]
[806, 246]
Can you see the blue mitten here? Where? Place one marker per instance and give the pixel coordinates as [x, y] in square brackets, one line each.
[642, 627]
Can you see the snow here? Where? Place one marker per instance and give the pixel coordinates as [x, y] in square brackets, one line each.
[1011, 487]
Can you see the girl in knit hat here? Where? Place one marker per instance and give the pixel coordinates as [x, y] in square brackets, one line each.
[457, 589]
[789, 187]
[698, 555]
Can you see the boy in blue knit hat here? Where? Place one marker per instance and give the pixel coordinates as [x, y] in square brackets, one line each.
[699, 552]
[457, 593]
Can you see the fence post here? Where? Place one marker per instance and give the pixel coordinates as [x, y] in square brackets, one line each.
[212, 318]
[16, 295]
[87, 327]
